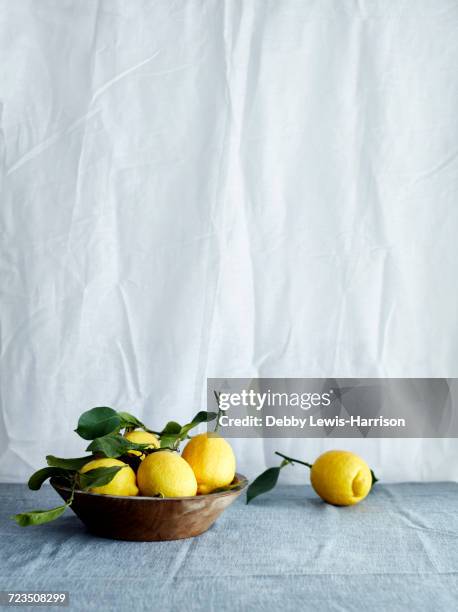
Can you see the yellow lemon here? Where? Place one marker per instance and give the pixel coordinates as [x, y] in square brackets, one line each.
[166, 473]
[212, 460]
[138, 436]
[341, 478]
[122, 484]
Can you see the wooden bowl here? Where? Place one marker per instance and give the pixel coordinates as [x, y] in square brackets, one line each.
[148, 519]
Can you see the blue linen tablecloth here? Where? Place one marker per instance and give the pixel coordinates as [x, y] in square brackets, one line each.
[287, 550]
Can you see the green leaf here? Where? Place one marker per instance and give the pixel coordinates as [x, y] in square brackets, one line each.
[374, 479]
[38, 517]
[168, 441]
[170, 434]
[98, 422]
[58, 468]
[130, 421]
[111, 445]
[98, 477]
[263, 483]
[38, 478]
[114, 445]
[201, 417]
[204, 417]
[173, 432]
[172, 427]
[68, 464]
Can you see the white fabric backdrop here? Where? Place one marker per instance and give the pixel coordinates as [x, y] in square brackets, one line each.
[208, 188]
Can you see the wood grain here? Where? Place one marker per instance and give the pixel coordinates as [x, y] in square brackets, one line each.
[148, 519]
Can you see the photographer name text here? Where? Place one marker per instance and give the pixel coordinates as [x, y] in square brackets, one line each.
[311, 421]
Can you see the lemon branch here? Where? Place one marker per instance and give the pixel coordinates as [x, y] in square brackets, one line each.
[291, 460]
[218, 416]
[268, 479]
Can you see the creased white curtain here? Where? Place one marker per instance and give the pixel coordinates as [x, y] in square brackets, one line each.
[209, 188]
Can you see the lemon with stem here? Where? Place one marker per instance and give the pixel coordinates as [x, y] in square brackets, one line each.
[339, 477]
[123, 483]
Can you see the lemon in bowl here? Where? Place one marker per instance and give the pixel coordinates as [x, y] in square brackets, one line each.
[212, 460]
[167, 474]
[138, 436]
[123, 483]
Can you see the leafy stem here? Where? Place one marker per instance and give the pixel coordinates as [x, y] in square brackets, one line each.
[39, 517]
[291, 460]
[174, 433]
[69, 501]
[218, 416]
[268, 479]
